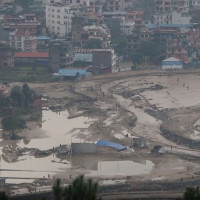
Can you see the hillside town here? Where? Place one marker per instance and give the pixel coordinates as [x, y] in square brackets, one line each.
[108, 89]
[77, 34]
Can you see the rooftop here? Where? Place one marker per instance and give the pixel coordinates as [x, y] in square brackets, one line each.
[31, 55]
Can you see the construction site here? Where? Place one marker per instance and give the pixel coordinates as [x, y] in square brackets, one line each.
[132, 132]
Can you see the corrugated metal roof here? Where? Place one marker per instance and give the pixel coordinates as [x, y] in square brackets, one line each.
[172, 59]
[71, 72]
[43, 38]
[31, 55]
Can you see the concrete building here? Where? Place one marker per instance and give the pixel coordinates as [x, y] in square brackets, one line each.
[100, 32]
[23, 41]
[104, 58]
[177, 47]
[59, 19]
[77, 27]
[114, 5]
[85, 56]
[32, 58]
[136, 16]
[60, 54]
[84, 148]
[172, 63]
[126, 27]
[195, 4]
[100, 58]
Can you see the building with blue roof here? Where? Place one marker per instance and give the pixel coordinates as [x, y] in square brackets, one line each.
[71, 73]
[43, 38]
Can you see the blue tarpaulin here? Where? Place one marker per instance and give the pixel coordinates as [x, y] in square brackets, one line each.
[105, 143]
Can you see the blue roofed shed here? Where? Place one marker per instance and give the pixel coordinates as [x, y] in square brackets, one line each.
[105, 143]
[71, 73]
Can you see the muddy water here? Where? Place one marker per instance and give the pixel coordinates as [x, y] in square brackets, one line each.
[122, 168]
[55, 129]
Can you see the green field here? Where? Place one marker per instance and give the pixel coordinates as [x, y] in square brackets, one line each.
[26, 74]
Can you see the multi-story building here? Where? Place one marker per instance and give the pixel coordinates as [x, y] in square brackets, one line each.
[26, 23]
[6, 56]
[100, 32]
[172, 5]
[6, 4]
[60, 54]
[23, 41]
[196, 4]
[126, 27]
[177, 47]
[136, 16]
[58, 19]
[114, 6]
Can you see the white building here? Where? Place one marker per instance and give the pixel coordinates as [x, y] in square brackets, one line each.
[126, 27]
[172, 63]
[196, 3]
[58, 19]
[181, 18]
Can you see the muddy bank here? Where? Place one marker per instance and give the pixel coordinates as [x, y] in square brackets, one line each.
[178, 139]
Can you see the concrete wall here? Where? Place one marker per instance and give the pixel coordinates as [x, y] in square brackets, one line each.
[102, 59]
[83, 148]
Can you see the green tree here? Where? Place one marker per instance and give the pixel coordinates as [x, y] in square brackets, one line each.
[4, 101]
[80, 189]
[147, 49]
[137, 58]
[58, 190]
[27, 94]
[12, 123]
[93, 44]
[17, 97]
[3, 196]
[120, 46]
[192, 193]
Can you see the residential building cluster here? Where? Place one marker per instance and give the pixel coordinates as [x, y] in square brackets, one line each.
[84, 33]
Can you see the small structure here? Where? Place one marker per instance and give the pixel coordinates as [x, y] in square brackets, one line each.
[159, 149]
[172, 63]
[81, 148]
[71, 73]
[139, 142]
[105, 143]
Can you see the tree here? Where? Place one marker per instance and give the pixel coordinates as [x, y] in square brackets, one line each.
[27, 94]
[12, 123]
[147, 49]
[137, 58]
[4, 101]
[80, 189]
[120, 46]
[3, 196]
[57, 190]
[17, 97]
[192, 193]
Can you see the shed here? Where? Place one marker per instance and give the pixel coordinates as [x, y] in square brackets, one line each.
[71, 73]
[159, 149]
[139, 142]
[172, 63]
